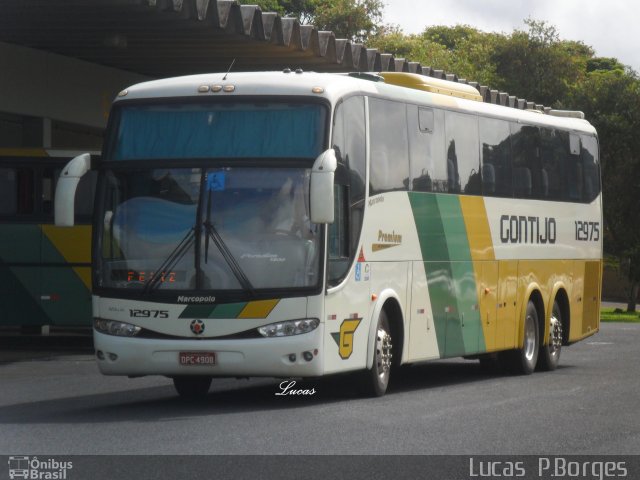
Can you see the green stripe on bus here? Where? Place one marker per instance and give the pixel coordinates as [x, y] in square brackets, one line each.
[450, 275]
[433, 244]
[40, 288]
[197, 311]
[229, 310]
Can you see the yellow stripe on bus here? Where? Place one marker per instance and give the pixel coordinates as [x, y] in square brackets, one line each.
[485, 267]
[74, 244]
[84, 273]
[258, 309]
[478, 232]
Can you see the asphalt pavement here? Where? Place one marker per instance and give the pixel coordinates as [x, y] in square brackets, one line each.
[58, 403]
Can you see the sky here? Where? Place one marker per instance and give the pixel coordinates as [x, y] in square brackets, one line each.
[609, 26]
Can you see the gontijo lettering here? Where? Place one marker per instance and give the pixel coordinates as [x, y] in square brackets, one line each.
[527, 229]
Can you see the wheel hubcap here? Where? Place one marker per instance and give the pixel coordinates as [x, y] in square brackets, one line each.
[555, 336]
[383, 355]
[529, 339]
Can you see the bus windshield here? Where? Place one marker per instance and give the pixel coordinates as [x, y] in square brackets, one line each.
[208, 229]
[177, 223]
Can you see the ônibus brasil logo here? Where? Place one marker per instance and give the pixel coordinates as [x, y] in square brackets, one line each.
[37, 469]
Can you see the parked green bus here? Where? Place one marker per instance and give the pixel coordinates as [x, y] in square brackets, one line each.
[45, 271]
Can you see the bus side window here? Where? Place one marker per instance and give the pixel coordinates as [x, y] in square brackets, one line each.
[575, 177]
[590, 168]
[527, 175]
[463, 157]
[389, 146]
[426, 149]
[49, 181]
[350, 187]
[338, 236]
[554, 148]
[495, 154]
[17, 192]
[8, 191]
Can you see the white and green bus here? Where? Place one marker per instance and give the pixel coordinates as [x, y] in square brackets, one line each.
[290, 224]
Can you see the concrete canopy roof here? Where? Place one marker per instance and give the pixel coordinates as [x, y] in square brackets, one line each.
[163, 38]
[167, 38]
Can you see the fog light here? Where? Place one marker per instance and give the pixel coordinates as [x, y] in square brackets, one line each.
[308, 356]
[100, 355]
[292, 357]
[113, 357]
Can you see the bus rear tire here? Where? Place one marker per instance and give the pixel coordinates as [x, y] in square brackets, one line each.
[376, 380]
[523, 360]
[549, 355]
[192, 387]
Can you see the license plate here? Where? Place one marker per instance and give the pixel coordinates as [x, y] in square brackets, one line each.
[196, 359]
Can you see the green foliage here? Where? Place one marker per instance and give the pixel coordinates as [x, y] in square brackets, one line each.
[535, 64]
[354, 19]
[604, 64]
[461, 49]
[411, 47]
[452, 38]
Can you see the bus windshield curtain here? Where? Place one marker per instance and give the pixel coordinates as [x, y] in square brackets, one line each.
[239, 131]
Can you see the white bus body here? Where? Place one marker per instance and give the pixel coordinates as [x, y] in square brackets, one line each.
[500, 257]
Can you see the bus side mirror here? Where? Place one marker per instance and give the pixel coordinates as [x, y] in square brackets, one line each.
[321, 187]
[66, 187]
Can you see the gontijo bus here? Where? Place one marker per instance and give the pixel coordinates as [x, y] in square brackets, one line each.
[300, 224]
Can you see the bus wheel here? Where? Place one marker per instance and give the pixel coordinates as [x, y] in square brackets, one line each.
[523, 360]
[192, 387]
[376, 380]
[549, 355]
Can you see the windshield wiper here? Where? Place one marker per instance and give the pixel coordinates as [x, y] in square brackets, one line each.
[174, 257]
[213, 234]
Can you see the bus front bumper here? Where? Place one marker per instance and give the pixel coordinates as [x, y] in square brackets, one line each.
[294, 356]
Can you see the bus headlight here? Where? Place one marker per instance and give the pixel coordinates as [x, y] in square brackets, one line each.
[290, 327]
[113, 327]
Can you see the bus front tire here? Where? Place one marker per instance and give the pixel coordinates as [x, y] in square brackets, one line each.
[192, 387]
[376, 380]
[523, 360]
[549, 355]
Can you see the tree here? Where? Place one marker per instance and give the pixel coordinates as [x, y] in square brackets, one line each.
[535, 64]
[461, 49]
[393, 40]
